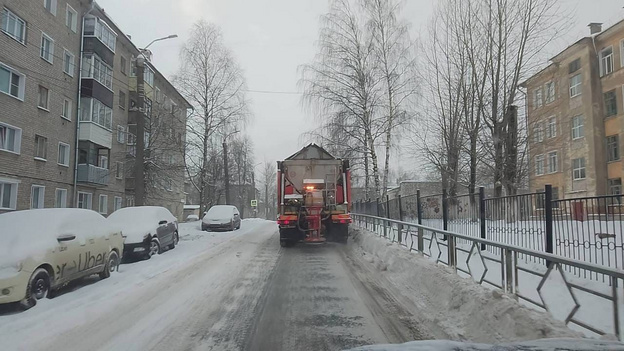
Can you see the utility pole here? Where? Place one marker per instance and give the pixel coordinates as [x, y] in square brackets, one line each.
[139, 163]
[226, 173]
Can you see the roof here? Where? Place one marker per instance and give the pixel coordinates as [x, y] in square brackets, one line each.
[191, 207]
[311, 152]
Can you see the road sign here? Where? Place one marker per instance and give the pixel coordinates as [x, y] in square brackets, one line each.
[254, 203]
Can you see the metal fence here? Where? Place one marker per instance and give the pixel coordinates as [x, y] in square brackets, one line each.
[506, 270]
[589, 229]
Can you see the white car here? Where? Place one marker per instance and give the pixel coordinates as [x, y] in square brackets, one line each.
[221, 217]
[42, 250]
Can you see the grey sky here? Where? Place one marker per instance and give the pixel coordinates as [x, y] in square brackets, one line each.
[271, 38]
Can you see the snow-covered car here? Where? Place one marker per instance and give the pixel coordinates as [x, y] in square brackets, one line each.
[147, 229]
[192, 218]
[222, 217]
[44, 249]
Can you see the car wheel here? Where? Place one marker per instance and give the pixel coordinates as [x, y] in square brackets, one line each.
[111, 264]
[154, 248]
[38, 288]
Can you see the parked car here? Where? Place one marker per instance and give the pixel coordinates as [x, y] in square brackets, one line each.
[147, 229]
[42, 250]
[192, 218]
[222, 217]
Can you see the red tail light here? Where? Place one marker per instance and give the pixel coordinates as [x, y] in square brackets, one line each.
[283, 222]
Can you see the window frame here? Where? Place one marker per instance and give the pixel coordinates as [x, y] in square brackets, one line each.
[74, 25]
[609, 58]
[88, 112]
[67, 154]
[581, 168]
[538, 133]
[609, 144]
[40, 200]
[11, 34]
[575, 87]
[119, 171]
[51, 48]
[89, 197]
[117, 200]
[546, 90]
[105, 197]
[21, 88]
[550, 168]
[580, 127]
[539, 159]
[610, 186]
[14, 183]
[121, 131]
[90, 62]
[67, 114]
[17, 139]
[47, 102]
[122, 106]
[45, 148]
[63, 198]
[72, 63]
[53, 6]
[613, 97]
[538, 98]
[123, 65]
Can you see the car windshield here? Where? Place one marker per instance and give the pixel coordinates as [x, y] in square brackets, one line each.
[311, 174]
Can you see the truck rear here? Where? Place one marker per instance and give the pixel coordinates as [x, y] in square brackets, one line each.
[314, 193]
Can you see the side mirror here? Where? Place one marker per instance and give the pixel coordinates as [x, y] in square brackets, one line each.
[65, 237]
[162, 222]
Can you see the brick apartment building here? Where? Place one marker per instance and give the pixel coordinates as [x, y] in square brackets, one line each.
[59, 105]
[576, 117]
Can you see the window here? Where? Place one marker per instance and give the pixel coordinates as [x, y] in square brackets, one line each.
[103, 204]
[613, 147]
[103, 161]
[537, 98]
[121, 134]
[577, 127]
[575, 85]
[84, 200]
[67, 109]
[94, 67]
[131, 143]
[574, 66]
[615, 186]
[122, 65]
[13, 26]
[44, 97]
[37, 195]
[41, 147]
[50, 5]
[157, 95]
[539, 164]
[71, 18]
[551, 130]
[8, 194]
[68, 63]
[148, 107]
[122, 99]
[610, 103]
[578, 168]
[10, 138]
[95, 111]
[117, 203]
[606, 61]
[47, 48]
[148, 75]
[129, 201]
[95, 27]
[538, 133]
[60, 198]
[550, 92]
[11, 82]
[553, 162]
[63, 154]
[119, 170]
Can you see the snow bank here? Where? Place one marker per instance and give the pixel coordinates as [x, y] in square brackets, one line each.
[459, 307]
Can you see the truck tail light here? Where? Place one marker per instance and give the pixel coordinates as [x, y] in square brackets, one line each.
[283, 222]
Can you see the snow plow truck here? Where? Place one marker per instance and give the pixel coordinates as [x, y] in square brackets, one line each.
[314, 197]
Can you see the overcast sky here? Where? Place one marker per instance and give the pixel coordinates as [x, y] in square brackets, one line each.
[271, 39]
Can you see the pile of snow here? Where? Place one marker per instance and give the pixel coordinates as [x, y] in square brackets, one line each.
[460, 308]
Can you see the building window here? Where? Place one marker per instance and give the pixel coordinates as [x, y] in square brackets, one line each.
[119, 170]
[131, 143]
[553, 162]
[129, 201]
[537, 98]
[123, 63]
[121, 134]
[148, 75]
[577, 127]
[103, 204]
[13, 26]
[47, 48]
[99, 29]
[574, 66]
[610, 103]
[84, 200]
[41, 147]
[538, 133]
[551, 130]
[37, 195]
[575, 85]
[10, 138]
[68, 63]
[11, 82]
[606, 61]
[550, 92]
[63, 154]
[578, 168]
[539, 164]
[67, 109]
[122, 99]
[615, 186]
[71, 18]
[8, 194]
[117, 203]
[60, 199]
[50, 5]
[94, 67]
[613, 147]
[44, 97]
[157, 95]
[95, 111]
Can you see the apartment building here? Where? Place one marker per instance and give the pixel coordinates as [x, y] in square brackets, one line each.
[576, 117]
[39, 53]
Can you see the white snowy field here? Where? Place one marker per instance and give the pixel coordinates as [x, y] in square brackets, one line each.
[107, 301]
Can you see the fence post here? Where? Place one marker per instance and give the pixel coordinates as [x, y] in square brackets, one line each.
[482, 215]
[549, 223]
[421, 234]
[444, 212]
[386, 223]
[377, 219]
[509, 283]
[400, 226]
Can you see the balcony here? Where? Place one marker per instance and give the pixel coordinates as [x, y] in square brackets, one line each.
[91, 174]
[90, 131]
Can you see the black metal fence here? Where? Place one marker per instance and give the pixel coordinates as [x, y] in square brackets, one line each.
[589, 229]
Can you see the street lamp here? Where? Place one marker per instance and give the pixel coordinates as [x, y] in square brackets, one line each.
[159, 39]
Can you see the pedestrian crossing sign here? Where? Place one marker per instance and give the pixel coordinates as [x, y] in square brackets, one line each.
[254, 203]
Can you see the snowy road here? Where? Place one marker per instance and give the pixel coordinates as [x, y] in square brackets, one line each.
[220, 291]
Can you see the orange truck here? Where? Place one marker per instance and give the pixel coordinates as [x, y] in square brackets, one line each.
[314, 197]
